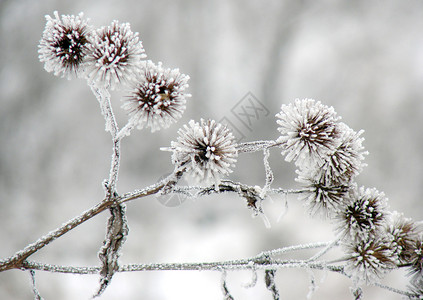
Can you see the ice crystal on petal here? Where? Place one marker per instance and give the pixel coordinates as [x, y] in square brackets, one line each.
[157, 97]
[321, 195]
[346, 160]
[63, 47]
[363, 213]
[115, 55]
[368, 260]
[207, 150]
[308, 131]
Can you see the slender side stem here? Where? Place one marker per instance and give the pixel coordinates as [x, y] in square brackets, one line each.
[35, 291]
[394, 290]
[198, 266]
[114, 167]
[252, 263]
[292, 249]
[256, 146]
[327, 249]
[103, 97]
[268, 173]
[32, 265]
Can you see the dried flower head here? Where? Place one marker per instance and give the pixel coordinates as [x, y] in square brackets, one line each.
[308, 131]
[368, 260]
[321, 195]
[403, 235]
[63, 46]
[346, 160]
[207, 150]
[363, 214]
[415, 260]
[157, 97]
[115, 55]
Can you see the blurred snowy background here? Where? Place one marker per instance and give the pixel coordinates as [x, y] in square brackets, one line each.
[363, 57]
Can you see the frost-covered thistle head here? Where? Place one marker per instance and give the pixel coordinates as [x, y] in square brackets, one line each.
[308, 131]
[346, 160]
[115, 55]
[416, 260]
[363, 214]
[207, 150]
[321, 195]
[157, 97]
[368, 260]
[63, 46]
[403, 235]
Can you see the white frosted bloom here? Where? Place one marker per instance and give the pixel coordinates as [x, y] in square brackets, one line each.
[207, 150]
[115, 55]
[321, 195]
[402, 234]
[346, 160]
[369, 260]
[415, 262]
[308, 131]
[157, 97]
[363, 214]
[63, 47]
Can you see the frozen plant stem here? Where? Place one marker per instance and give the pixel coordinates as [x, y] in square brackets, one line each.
[103, 97]
[37, 295]
[117, 228]
[230, 265]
